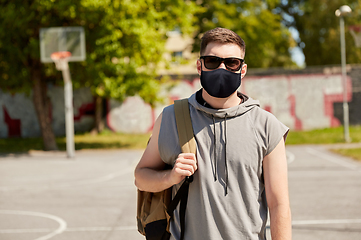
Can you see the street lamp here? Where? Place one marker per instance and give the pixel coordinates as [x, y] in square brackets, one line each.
[341, 13]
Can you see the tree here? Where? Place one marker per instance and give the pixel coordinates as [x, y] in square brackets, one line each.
[126, 56]
[124, 44]
[267, 40]
[318, 27]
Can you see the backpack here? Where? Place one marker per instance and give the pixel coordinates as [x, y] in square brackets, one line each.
[155, 210]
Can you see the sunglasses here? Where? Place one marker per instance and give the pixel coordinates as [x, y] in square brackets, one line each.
[213, 62]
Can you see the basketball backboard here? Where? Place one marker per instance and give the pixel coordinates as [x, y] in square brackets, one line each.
[58, 39]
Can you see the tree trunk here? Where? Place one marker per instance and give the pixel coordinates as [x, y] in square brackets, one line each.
[42, 107]
[98, 115]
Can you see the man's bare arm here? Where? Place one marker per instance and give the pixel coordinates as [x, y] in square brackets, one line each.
[276, 184]
[150, 174]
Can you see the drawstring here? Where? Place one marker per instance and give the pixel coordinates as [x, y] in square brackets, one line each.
[215, 153]
[225, 153]
[214, 150]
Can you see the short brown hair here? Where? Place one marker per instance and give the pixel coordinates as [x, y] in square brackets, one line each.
[221, 35]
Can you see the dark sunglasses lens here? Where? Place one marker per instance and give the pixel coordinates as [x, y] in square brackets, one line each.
[212, 62]
[233, 63]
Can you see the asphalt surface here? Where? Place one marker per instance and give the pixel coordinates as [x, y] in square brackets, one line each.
[48, 196]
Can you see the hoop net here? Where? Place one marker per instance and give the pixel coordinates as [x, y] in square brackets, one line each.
[61, 59]
[356, 34]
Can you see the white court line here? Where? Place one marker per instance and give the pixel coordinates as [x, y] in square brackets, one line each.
[331, 159]
[133, 228]
[78, 229]
[290, 157]
[75, 183]
[100, 179]
[60, 229]
[94, 229]
[326, 221]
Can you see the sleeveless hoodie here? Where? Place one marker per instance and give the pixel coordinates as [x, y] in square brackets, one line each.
[227, 196]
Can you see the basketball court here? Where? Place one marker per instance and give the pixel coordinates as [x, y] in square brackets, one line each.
[92, 196]
[324, 193]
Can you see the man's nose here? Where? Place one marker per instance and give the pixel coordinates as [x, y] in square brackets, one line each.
[222, 65]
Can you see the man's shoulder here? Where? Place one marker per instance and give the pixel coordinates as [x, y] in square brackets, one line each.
[262, 117]
[259, 111]
[168, 109]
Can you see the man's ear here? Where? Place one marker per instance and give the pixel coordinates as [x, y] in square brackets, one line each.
[199, 67]
[244, 70]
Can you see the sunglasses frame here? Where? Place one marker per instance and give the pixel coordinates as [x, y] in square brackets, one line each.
[223, 60]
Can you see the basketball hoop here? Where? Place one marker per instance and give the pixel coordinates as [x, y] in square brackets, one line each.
[62, 45]
[356, 34]
[61, 59]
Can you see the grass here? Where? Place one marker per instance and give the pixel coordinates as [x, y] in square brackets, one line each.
[323, 136]
[104, 140]
[354, 153]
[329, 136]
[110, 140]
[107, 140]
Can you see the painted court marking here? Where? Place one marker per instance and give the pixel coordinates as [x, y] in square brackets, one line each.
[134, 228]
[60, 229]
[325, 221]
[331, 159]
[290, 157]
[78, 229]
[105, 178]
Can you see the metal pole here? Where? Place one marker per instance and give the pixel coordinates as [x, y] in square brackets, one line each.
[344, 81]
[69, 115]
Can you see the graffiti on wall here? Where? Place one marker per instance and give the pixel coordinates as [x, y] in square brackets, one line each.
[18, 116]
[302, 102]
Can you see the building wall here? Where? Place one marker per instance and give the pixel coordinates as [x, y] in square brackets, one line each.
[18, 117]
[303, 99]
[302, 102]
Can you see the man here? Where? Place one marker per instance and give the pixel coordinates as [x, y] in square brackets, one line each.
[240, 169]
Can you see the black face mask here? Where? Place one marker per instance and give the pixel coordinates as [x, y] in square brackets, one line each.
[220, 83]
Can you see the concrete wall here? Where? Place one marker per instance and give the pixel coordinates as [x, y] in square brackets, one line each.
[302, 99]
[18, 117]
[301, 102]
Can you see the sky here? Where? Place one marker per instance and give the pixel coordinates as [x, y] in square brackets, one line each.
[297, 56]
[296, 52]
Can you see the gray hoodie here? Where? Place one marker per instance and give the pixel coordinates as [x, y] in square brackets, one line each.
[227, 196]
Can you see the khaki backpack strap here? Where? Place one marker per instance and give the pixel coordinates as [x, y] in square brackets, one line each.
[184, 126]
[188, 145]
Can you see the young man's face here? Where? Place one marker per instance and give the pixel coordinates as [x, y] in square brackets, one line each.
[223, 51]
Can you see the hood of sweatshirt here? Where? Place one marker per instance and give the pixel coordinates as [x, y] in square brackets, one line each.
[240, 109]
[221, 115]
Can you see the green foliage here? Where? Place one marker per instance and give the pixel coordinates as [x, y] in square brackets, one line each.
[124, 42]
[267, 40]
[126, 56]
[125, 39]
[319, 29]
